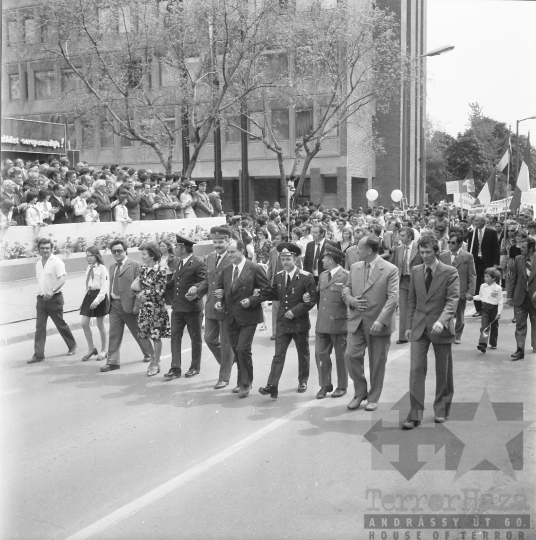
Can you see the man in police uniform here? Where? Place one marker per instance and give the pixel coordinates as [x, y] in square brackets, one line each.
[331, 324]
[292, 318]
[217, 323]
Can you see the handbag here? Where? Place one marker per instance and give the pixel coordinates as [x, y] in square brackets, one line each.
[136, 285]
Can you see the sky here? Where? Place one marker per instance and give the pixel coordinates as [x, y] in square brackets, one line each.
[493, 62]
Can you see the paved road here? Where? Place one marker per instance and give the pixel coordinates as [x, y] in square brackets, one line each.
[122, 456]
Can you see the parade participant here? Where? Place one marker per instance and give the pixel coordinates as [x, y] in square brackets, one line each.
[491, 296]
[521, 294]
[216, 322]
[51, 276]
[187, 307]
[96, 303]
[465, 265]
[292, 318]
[371, 294]
[351, 255]
[314, 252]
[434, 291]
[241, 288]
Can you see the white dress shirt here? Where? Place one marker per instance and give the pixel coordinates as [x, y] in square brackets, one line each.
[99, 281]
[240, 267]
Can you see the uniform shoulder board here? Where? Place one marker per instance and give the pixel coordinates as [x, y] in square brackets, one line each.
[345, 271]
[280, 272]
[304, 273]
[324, 272]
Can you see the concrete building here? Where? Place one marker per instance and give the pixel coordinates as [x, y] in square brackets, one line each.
[340, 175]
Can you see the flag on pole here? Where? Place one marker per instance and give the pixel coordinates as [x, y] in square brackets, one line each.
[505, 155]
[523, 182]
[486, 194]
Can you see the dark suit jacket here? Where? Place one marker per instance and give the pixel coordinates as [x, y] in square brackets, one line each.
[128, 273]
[491, 251]
[252, 277]
[517, 286]
[438, 304]
[147, 211]
[466, 270]
[63, 215]
[291, 299]
[132, 204]
[192, 273]
[103, 206]
[209, 285]
[310, 255]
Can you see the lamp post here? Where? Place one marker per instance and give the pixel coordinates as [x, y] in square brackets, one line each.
[422, 190]
[517, 141]
[290, 190]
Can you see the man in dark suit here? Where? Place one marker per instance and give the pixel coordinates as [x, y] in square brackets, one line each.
[406, 258]
[59, 201]
[292, 318]
[464, 263]
[314, 252]
[240, 289]
[216, 322]
[187, 307]
[147, 202]
[104, 205]
[483, 245]
[522, 295]
[122, 274]
[371, 294]
[434, 291]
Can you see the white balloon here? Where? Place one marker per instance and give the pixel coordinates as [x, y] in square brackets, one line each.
[371, 195]
[397, 195]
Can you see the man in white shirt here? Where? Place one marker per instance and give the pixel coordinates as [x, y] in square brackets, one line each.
[51, 276]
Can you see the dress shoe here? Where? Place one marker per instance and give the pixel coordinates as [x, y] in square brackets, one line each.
[457, 341]
[518, 355]
[244, 391]
[356, 401]
[371, 406]
[94, 352]
[302, 387]
[270, 390]
[410, 424]
[72, 351]
[339, 392]
[323, 392]
[477, 314]
[147, 358]
[481, 347]
[493, 346]
[35, 359]
[440, 419]
[173, 373]
[401, 341]
[220, 384]
[191, 373]
[272, 338]
[109, 367]
[236, 389]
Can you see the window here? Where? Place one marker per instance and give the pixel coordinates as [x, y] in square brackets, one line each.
[107, 20]
[70, 81]
[14, 29]
[14, 87]
[44, 84]
[46, 31]
[304, 122]
[166, 74]
[233, 133]
[88, 135]
[107, 134]
[30, 29]
[256, 123]
[71, 135]
[331, 123]
[280, 125]
[330, 184]
[304, 5]
[125, 24]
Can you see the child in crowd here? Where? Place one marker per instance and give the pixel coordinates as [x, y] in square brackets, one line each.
[491, 296]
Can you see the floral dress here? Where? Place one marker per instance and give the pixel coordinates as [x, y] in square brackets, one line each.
[263, 252]
[153, 319]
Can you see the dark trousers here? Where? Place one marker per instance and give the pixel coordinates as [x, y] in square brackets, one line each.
[118, 319]
[192, 321]
[52, 308]
[417, 377]
[460, 318]
[489, 312]
[217, 340]
[403, 293]
[479, 268]
[241, 338]
[325, 343]
[523, 312]
[282, 341]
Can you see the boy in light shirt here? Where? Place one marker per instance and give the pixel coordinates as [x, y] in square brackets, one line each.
[491, 296]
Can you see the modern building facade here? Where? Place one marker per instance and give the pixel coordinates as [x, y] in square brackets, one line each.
[340, 175]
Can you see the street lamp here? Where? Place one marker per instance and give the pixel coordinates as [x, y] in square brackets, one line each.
[422, 191]
[517, 140]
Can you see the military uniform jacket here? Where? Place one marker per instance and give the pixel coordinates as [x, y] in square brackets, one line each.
[192, 273]
[292, 299]
[209, 285]
[332, 311]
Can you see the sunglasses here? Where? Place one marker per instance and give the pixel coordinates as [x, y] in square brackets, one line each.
[453, 242]
[511, 230]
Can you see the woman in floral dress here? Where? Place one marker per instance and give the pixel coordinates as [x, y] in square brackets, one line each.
[153, 319]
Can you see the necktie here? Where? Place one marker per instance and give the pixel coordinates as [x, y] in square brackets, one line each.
[428, 279]
[115, 286]
[528, 264]
[90, 276]
[317, 255]
[235, 278]
[218, 259]
[455, 258]
[179, 268]
[330, 277]
[367, 272]
[406, 262]
[288, 281]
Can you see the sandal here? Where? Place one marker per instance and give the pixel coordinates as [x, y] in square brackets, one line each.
[88, 356]
[153, 370]
[102, 356]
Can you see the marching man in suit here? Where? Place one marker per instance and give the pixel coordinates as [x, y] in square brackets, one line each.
[434, 291]
[464, 263]
[522, 295]
[240, 288]
[351, 255]
[216, 322]
[122, 274]
[292, 318]
[331, 324]
[371, 295]
[314, 252]
[406, 258]
[187, 307]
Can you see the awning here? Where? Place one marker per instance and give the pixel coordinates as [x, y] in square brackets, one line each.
[32, 136]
